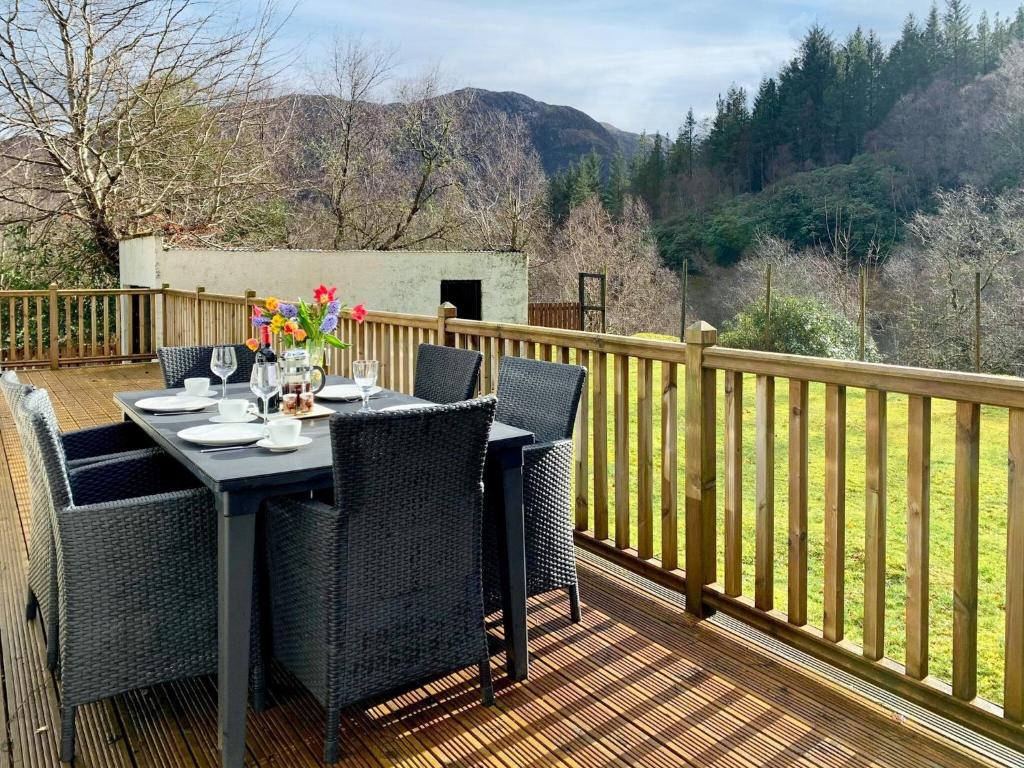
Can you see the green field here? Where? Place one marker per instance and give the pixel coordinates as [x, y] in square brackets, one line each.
[993, 495]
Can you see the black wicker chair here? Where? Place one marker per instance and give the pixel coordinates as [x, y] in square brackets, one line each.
[180, 363]
[81, 448]
[136, 574]
[383, 590]
[540, 397]
[446, 374]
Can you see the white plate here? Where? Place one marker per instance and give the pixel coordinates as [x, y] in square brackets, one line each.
[244, 420]
[222, 434]
[207, 393]
[174, 403]
[278, 448]
[343, 392]
[406, 407]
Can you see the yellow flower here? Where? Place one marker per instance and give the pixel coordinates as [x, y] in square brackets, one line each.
[272, 304]
[276, 322]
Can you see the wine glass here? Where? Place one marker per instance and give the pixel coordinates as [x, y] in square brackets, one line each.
[365, 374]
[224, 363]
[264, 384]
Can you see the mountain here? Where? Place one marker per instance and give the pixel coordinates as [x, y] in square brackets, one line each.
[561, 135]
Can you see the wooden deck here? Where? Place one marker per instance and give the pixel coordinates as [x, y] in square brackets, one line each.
[637, 683]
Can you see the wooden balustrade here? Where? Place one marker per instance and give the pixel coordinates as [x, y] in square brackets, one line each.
[59, 327]
[629, 467]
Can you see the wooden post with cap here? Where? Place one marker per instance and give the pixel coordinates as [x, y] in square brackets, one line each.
[445, 312]
[700, 467]
[54, 334]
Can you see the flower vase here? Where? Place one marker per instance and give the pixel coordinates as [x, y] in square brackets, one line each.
[319, 361]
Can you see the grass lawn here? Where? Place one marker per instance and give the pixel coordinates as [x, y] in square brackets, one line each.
[992, 514]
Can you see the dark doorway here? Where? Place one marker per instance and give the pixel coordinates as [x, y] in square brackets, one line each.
[138, 322]
[465, 295]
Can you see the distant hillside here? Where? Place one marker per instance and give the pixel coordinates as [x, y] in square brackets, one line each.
[562, 135]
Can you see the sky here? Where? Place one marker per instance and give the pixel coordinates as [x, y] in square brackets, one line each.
[638, 65]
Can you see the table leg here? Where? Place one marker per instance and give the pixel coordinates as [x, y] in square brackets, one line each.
[514, 569]
[236, 536]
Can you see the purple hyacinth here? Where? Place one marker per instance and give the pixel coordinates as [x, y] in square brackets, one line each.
[288, 310]
[259, 321]
[334, 307]
[329, 323]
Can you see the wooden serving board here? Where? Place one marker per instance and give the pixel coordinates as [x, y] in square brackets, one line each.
[317, 412]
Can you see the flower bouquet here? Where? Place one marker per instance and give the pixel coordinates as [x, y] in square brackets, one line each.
[298, 324]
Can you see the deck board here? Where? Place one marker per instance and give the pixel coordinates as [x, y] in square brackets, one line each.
[636, 683]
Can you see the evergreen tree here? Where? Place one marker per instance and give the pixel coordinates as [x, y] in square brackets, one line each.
[613, 192]
[908, 65]
[932, 38]
[808, 89]
[729, 138]
[985, 51]
[683, 153]
[587, 182]
[649, 173]
[559, 193]
[765, 133]
[957, 40]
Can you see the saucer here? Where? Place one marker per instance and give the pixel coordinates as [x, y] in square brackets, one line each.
[279, 448]
[244, 420]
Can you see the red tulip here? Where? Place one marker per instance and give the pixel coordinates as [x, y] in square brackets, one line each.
[359, 313]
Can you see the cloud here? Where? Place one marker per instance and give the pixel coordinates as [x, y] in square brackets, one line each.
[637, 65]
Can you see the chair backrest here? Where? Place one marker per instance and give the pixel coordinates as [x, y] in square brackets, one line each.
[44, 455]
[446, 374]
[409, 486]
[180, 363]
[539, 396]
[14, 391]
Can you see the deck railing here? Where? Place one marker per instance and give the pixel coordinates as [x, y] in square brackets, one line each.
[59, 327]
[862, 586]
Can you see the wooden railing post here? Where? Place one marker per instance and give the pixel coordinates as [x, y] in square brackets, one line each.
[700, 467]
[250, 294]
[54, 334]
[164, 320]
[200, 290]
[445, 312]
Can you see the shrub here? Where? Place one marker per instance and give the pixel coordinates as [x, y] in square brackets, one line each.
[799, 326]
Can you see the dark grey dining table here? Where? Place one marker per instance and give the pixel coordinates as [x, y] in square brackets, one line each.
[241, 480]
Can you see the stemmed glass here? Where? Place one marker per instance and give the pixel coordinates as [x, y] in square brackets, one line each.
[224, 363]
[264, 384]
[365, 374]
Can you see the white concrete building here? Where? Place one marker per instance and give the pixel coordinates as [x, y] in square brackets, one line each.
[483, 285]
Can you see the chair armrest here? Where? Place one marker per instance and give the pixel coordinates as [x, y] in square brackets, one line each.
[554, 450]
[134, 475]
[106, 439]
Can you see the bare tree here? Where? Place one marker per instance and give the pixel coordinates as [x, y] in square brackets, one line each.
[931, 283]
[431, 153]
[388, 175]
[642, 294]
[505, 188]
[356, 147]
[130, 114]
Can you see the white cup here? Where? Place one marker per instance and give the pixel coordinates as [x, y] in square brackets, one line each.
[197, 386]
[233, 409]
[284, 431]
